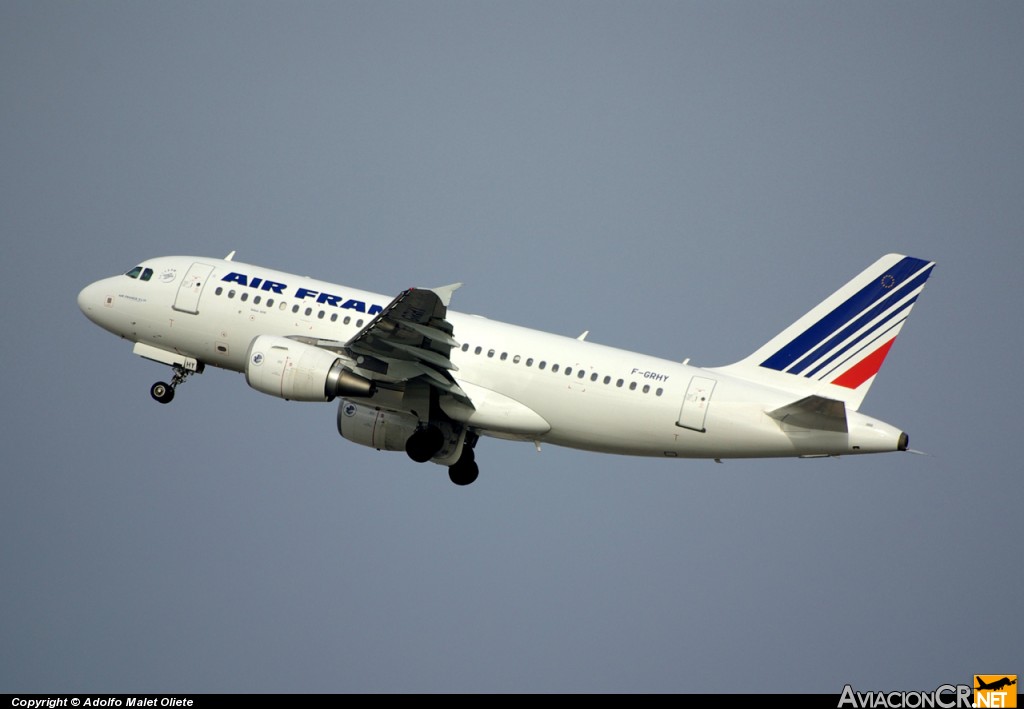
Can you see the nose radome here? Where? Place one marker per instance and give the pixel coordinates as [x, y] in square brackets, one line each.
[90, 301]
[83, 300]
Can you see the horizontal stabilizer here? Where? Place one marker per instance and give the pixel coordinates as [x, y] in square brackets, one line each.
[815, 412]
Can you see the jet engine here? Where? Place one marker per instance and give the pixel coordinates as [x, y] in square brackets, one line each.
[299, 372]
[392, 431]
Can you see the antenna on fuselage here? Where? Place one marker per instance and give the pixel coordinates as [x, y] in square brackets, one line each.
[229, 256]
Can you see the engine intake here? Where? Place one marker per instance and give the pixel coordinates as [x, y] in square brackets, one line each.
[299, 372]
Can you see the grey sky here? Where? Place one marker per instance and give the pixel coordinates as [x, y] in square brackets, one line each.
[683, 179]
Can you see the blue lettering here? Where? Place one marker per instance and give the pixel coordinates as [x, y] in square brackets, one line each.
[301, 293]
[238, 278]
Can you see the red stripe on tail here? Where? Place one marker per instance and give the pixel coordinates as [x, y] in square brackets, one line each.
[865, 369]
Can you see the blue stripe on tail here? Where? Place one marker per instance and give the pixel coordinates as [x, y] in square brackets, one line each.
[883, 305]
[879, 289]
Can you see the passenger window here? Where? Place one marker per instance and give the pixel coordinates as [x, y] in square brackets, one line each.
[218, 291]
[593, 377]
[490, 353]
[478, 349]
[659, 392]
[542, 364]
[529, 361]
[359, 323]
[134, 273]
[309, 311]
[581, 374]
[607, 380]
[231, 294]
[256, 300]
[270, 302]
[244, 297]
[568, 371]
[465, 347]
[295, 308]
[619, 383]
[504, 356]
[632, 386]
[283, 305]
[147, 274]
[347, 320]
[515, 360]
[647, 388]
[320, 314]
[554, 367]
[334, 317]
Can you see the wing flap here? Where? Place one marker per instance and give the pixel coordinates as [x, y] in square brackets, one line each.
[410, 339]
[433, 333]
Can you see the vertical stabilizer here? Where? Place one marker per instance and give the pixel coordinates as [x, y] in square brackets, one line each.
[836, 349]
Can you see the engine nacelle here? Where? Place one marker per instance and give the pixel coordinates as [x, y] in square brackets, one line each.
[299, 372]
[389, 430]
[373, 427]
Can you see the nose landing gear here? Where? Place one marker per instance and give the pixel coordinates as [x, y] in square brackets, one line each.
[164, 392]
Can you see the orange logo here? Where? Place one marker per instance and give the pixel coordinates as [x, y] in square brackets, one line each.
[995, 691]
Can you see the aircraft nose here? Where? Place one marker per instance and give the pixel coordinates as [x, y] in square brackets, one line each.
[83, 300]
[90, 301]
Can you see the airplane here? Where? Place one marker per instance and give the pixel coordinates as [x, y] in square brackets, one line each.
[996, 685]
[412, 376]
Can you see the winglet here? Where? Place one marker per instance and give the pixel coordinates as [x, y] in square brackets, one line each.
[229, 256]
[445, 292]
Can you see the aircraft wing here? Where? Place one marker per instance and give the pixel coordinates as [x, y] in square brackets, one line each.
[407, 340]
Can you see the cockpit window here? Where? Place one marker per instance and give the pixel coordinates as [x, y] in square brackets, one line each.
[134, 273]
[147, 274]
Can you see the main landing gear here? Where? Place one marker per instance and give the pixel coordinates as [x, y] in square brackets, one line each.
[424, 444]
[164, 392]
[465, 469]
[428, 441]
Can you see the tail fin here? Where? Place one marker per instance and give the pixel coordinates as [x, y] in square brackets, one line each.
[837, 348]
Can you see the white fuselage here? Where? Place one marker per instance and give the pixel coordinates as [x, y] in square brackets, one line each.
[525, 384]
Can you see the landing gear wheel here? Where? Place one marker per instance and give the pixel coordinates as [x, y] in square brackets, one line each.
[463, 472]
[162, 392]
[424, 444]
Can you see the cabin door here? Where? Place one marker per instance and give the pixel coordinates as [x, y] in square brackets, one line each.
[695, 404]
[187, 300]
